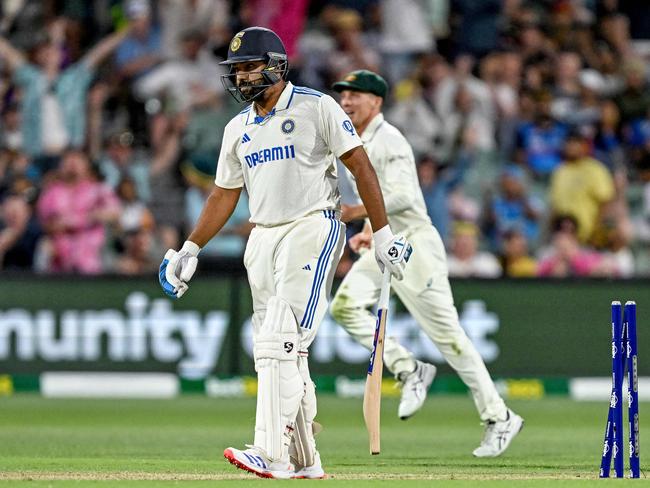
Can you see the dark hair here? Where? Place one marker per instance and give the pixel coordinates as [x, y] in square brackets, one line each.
[564, 223]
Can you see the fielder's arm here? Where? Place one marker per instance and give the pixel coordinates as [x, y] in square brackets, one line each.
[356, 160]
[217, 210]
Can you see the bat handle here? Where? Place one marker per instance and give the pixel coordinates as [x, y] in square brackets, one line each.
[384, 294]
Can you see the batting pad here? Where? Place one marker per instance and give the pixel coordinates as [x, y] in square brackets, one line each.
[303, 446]
[279, 383]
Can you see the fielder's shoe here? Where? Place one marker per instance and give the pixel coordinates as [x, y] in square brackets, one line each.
[313, 472]
[255, 461]
[498, 435]
[414, 388]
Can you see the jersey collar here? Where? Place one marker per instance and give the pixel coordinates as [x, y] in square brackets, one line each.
[282, 104]
[371, 130]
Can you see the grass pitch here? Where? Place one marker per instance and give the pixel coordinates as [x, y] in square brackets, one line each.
[146, 443]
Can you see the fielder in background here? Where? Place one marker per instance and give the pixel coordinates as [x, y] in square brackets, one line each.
[425, 289]
[283, 147]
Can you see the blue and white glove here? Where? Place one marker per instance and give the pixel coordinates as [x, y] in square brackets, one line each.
[177, 268]
[392, 251]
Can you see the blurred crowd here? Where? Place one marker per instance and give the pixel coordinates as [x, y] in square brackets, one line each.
[530, 122]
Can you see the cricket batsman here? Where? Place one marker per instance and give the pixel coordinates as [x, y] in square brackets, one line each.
[283, 147]
[425, 289]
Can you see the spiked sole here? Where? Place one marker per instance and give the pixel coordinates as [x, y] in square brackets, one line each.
[228, 454]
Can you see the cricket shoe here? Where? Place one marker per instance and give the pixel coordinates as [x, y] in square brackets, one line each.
[414, 388]
[313, 472]
[255, 461]
[498, 435]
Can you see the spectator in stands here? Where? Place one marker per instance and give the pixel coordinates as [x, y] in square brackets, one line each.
[11, 134]
[17, 174]
[516, 260]
[134, 213]
[567, 88]
[568, 258]
[586, 110]
[635, 99]
[580, 187]
[74, 211]
[19, 233]
[134, 233]
[615, 230]
[121, 161]
[167, 186]
[437, 183]
[139, 253]
[141, 50]
[642, 220]
[512, 207]
[466, 121]
[607, 140]
[406, 32]
[53, 102]
[286, 18]
[479, 25]
[502, 72]
[177, 16]
[540, 143]
[191, 81]
[352, 51]
[533, 44]
[462, 79]
[413, 111]
[465, 259]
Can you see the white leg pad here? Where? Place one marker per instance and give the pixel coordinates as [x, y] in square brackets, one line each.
[279, 383]
[303, 447]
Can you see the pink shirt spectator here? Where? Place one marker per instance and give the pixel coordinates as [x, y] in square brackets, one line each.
[284, 17]
[584, 263]
[78, 233]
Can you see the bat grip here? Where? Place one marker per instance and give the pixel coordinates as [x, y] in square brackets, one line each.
[384, 294]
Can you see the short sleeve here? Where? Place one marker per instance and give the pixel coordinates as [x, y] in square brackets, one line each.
[337, 129]
[602, 187]
[27, 73]
[229, 169]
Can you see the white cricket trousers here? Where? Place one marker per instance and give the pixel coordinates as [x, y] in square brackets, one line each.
[426, 293]
[296, 262]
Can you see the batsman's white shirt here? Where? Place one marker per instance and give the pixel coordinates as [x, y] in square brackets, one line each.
[425, 289]
[287, 160]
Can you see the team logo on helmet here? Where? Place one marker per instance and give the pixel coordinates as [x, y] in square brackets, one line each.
[350, 78]
[235, 44]
[288, 126]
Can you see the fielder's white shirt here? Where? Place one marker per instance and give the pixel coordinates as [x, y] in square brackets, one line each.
[392, 157]
[287, 160]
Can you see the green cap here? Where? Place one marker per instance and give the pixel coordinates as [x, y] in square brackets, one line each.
[364, 81]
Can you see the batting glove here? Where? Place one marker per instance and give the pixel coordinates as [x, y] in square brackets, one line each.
[392, 251]
[177, 268]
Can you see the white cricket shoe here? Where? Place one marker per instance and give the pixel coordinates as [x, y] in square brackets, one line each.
[255, 461]
[313, 472]
[414, 388]
[498, 435]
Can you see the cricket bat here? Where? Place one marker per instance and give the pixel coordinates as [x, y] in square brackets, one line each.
[372, 393]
